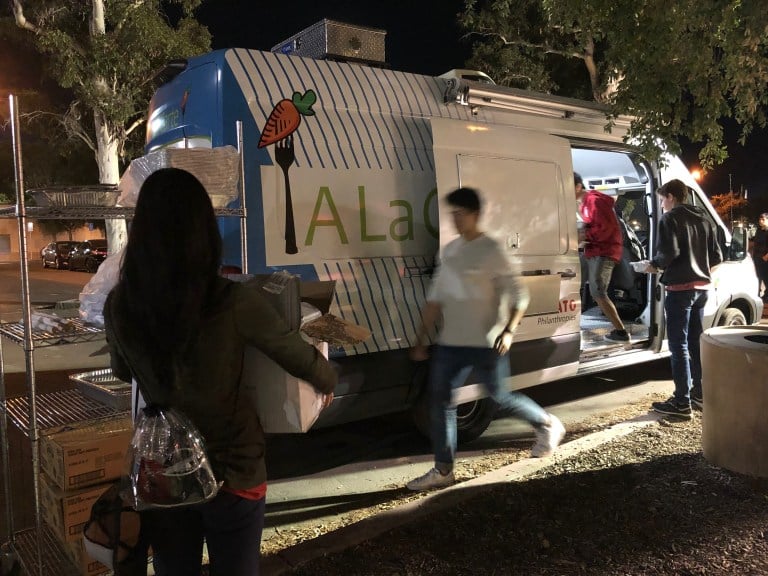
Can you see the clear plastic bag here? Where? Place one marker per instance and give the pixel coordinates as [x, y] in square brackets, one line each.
[95, 292]
[168, 463]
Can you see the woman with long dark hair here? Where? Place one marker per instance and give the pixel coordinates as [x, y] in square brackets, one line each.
[180, 330]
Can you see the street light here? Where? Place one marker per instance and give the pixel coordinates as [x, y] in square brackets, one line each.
[697, 174]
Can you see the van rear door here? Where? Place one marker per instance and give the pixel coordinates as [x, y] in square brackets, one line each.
[526, 182]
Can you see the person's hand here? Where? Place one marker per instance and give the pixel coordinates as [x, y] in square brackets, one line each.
[765, 257]
[419, 353]
[503, 342]
[327, 399]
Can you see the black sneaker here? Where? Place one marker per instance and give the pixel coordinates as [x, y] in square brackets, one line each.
[697, 400]
[617, 336]
[672, 408]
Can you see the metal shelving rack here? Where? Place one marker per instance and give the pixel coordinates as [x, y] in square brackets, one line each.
[37, 549]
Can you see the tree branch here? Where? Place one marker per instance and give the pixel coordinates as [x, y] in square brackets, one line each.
[135, 125]
[128, 10]
[21, 20]
[594, 79]
[546, 48]
[70, 125]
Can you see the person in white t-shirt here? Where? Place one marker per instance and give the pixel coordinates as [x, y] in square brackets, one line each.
[481, 302]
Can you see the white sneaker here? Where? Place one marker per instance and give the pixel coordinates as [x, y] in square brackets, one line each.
[548, 438]
[432, 479]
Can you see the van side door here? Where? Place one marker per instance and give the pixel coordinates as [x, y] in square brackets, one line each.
[525, 178]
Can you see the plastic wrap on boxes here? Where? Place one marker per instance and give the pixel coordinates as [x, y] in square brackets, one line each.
[216, 168]
[95, 293]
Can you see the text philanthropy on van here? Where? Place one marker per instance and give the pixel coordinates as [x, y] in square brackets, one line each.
[560, 319]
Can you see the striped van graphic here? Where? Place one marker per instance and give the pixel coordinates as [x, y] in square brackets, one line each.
[367, 119]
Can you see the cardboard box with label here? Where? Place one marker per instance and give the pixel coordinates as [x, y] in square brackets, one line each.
[284, 403]
[67, 512]
[87, 453]
[87, 565]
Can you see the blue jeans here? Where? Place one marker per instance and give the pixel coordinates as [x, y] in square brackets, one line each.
[231, 526]
[450, 367]
[685, 313]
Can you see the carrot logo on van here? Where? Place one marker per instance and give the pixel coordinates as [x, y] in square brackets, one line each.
[281, 124]
[286, 117]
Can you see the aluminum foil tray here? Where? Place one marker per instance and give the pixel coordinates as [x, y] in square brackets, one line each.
[103, 386]
[67, 196]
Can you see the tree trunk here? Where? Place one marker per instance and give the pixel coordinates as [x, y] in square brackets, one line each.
[107, 143]
[109, 173]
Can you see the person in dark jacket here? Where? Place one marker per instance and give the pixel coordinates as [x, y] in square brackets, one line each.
[603, 249]
[686, 251]
[180, 330]
[760, 253]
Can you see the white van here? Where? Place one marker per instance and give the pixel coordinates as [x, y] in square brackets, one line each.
[345, 168]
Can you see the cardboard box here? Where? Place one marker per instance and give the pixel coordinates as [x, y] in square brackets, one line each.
[283, 403]
[87, 453]
[67, 512]
[87, 565]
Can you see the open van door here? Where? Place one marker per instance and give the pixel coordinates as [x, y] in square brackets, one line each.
[525, 179]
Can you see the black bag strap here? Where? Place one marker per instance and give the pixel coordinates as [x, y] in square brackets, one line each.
[111, 504]
[135, 374]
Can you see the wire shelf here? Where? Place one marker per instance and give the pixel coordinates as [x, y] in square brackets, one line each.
[88, 212]
[80, 333]
[57, 411]
[55, 559]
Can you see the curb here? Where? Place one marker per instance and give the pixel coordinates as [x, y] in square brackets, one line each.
[373, 526]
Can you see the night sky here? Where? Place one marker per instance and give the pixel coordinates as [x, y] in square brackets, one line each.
[422, 37]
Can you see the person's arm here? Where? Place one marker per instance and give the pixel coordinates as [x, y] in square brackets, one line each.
[117, 362]
[262, 327]
[509, 283]
[714, 249]
[429, 317]
[667, 247]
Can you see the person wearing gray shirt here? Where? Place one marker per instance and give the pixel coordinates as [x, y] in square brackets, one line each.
[480, 302]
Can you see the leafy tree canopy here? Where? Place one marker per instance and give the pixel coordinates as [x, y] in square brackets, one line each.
[679, 67]
[109, 70]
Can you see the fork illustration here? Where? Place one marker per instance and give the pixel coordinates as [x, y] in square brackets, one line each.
[284, 156]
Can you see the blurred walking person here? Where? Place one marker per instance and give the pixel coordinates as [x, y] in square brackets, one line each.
[480, 302]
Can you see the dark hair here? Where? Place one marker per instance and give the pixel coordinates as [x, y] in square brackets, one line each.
[464, 198]
[577, 179]
[676, 188]
[169, 268]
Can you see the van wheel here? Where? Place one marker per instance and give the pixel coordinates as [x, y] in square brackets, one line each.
[472, 418]
[732, 317]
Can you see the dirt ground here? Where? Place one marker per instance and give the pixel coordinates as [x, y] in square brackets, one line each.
[644, 504]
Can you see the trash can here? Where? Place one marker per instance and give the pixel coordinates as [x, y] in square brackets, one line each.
[734, 363]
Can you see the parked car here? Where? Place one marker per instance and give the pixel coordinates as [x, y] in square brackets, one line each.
[56, 254]
[88, 255]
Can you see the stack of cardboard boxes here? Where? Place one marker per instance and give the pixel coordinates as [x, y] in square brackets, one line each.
[78, 464]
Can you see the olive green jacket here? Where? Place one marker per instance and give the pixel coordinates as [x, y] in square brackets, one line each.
[212, 395]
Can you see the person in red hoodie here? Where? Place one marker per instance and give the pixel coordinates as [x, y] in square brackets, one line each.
[602, 250]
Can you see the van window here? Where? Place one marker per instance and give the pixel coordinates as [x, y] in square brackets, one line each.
[523, 202]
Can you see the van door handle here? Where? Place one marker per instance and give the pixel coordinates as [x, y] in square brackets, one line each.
[567, 274]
